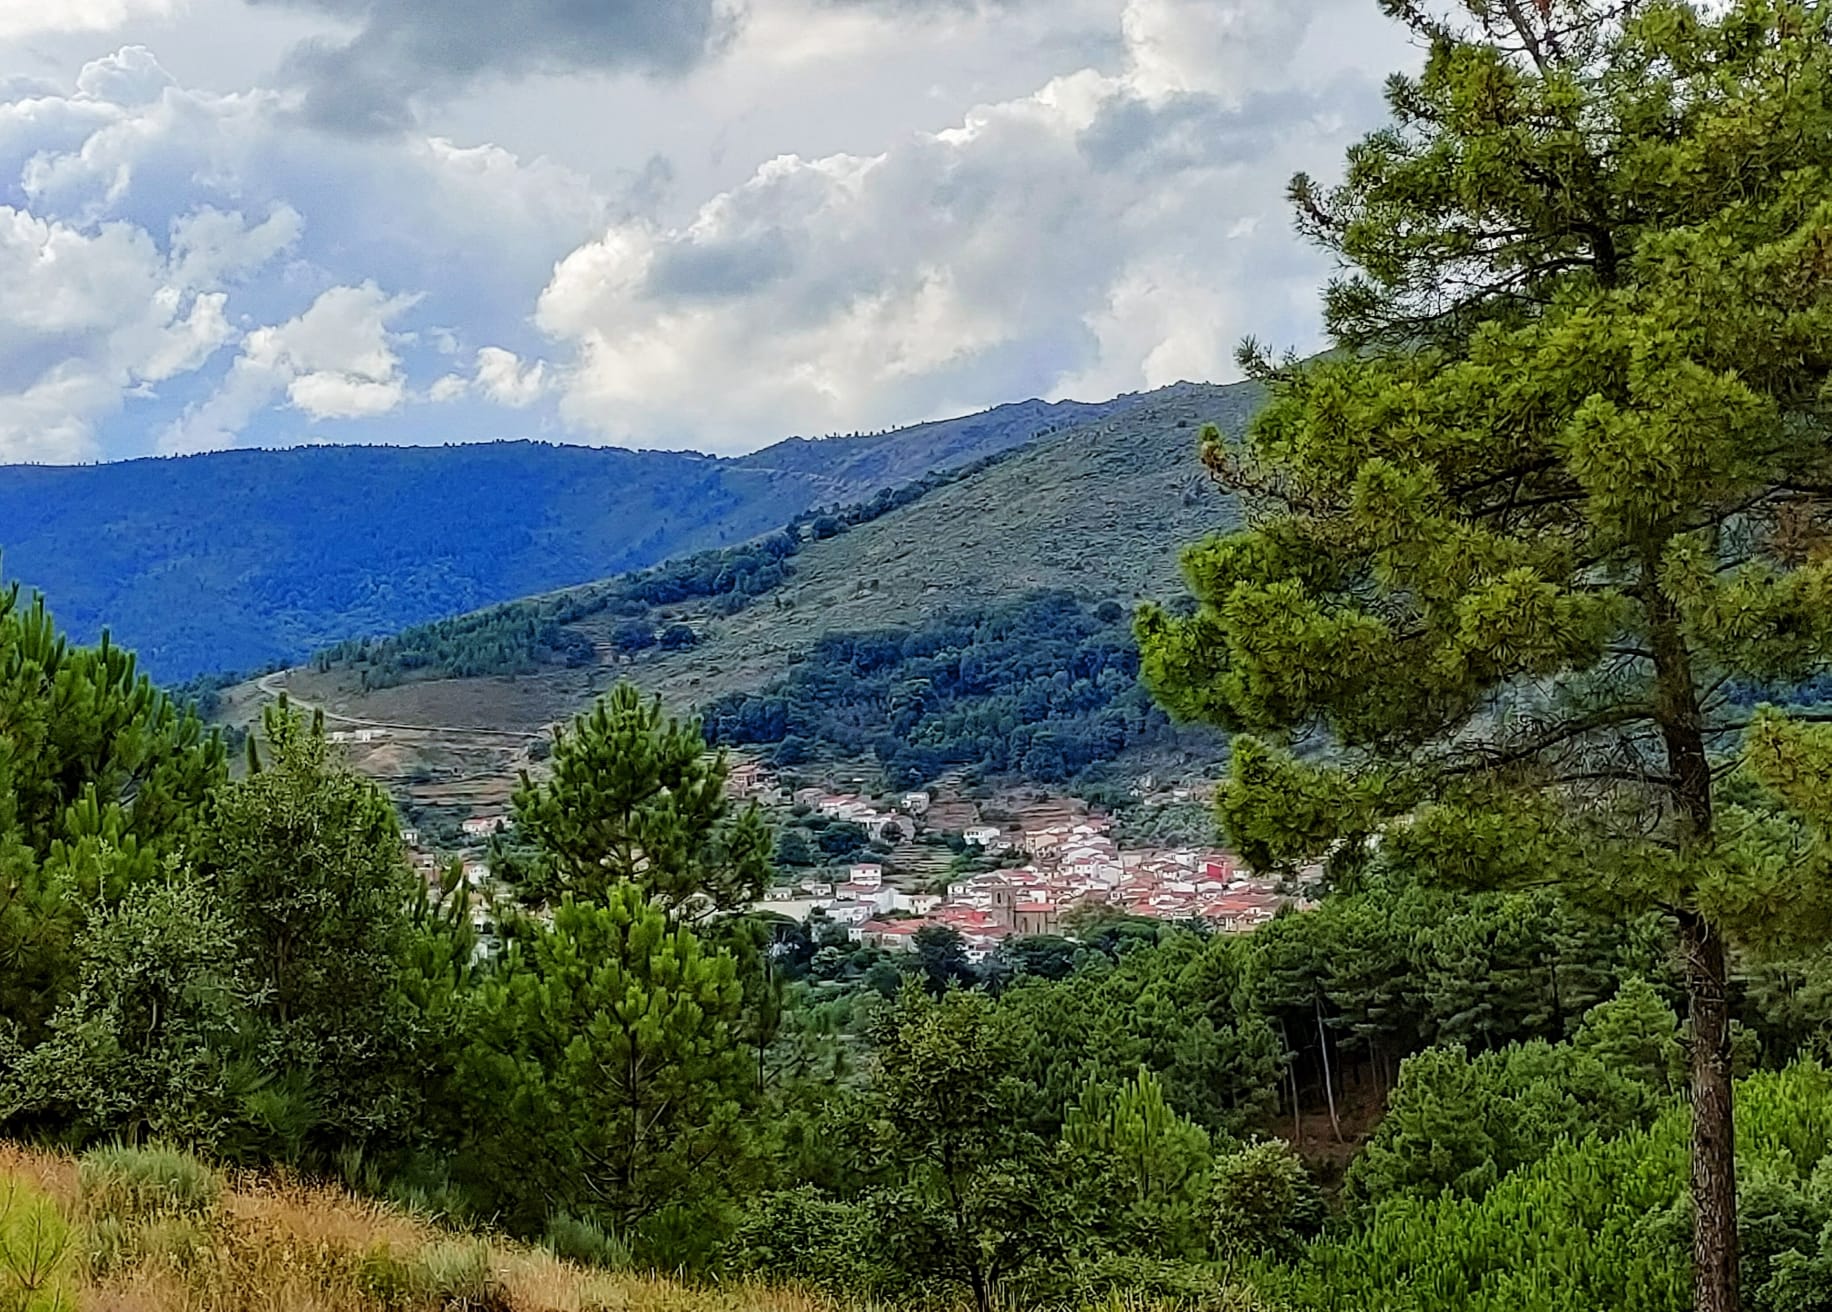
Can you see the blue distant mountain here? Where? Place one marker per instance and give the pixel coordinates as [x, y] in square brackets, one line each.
[241, 559]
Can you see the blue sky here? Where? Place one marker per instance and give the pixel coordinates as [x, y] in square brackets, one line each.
[698, 223]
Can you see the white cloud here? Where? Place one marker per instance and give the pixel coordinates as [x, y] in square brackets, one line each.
[161, 222]
[958, 204]
[210, 247]
[85, 319]
[1102, 233]
[337, 360]
[448, 388]
[23, 18]
[502, 378]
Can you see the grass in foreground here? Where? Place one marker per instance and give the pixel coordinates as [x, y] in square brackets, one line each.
[148, 1230]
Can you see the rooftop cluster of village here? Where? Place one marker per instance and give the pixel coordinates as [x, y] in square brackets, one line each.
[1050, 870]
[1044, 872]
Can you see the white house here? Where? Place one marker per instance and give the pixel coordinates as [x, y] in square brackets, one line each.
[986, 836]
[866, 874]
[484, 825]
[850, 913]
[916, 803]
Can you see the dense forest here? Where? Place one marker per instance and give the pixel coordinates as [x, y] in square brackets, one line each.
[523, 637]
[631, 1069]
[239, 560]
[1044, 688]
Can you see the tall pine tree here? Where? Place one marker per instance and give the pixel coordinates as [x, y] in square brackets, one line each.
[636, 798]
[102, 779]
[1524, 551]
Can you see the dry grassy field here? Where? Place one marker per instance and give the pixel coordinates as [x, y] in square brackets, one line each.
[130, 1230]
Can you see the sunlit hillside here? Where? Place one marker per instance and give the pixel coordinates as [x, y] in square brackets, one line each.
[156, 1231]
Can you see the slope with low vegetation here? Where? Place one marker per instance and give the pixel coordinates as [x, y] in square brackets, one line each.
[153, 1229]
[1062, 515]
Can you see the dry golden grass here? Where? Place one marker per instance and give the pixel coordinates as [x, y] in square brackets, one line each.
[272, 1245]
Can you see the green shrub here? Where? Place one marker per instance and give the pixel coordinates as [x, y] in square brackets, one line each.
[136, 1184]
[798, 1234]
[1130, 1281]
[36, 1252]
[1594, 1223]
[450, 1276]
[1263, 1201]
[581, 1239]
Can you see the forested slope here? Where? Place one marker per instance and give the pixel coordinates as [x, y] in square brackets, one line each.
[1093, 513]
[234, 560]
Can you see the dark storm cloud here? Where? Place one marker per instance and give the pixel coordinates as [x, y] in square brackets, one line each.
[407, 48]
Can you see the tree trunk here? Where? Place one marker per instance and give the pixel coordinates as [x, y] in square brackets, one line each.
[1291, 1078]
[1714, 1165]
[1714, 1177]
[1329, 1090]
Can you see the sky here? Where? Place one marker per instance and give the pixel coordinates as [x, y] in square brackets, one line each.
[697, 224]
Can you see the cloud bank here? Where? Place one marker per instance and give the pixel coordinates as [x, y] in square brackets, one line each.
[307, 250]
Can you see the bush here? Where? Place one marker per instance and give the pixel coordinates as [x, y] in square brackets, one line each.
[36, 1252]
[1263, 1201]
[581, 1239]
[451, 1274]
[137, 1184]
[799, 1234]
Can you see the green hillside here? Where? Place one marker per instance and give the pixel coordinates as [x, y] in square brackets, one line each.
[1099, 510]
[1095, 512]
[242, 559]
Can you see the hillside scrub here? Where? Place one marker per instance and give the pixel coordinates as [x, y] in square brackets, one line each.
[523, 637]
[133, 1230]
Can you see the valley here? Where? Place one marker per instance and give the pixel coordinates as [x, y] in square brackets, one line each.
[1096, 511]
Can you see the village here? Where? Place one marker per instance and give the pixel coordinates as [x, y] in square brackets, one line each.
[1045, 873]
[1035, 876]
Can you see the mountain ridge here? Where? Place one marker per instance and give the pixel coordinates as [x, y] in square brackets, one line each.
[1100, 511]
[242, 560]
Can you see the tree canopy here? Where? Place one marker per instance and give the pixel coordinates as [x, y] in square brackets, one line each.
[1523, 545]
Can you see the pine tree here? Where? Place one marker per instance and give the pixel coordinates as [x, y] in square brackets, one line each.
[1525, 549]
[102, 778]
[606, 1073]
[635, 797]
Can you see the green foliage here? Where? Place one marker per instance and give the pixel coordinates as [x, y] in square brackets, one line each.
[1584, 1226]
[1041, 688]
[37, 1252]
[308, 861]
[634, 798]
[455, 1273]
[1527, 544]
[101, 780]
[604, 1073]
[1458, 1124]
[582, 1239]
[801, 1235]
[134, 1183]
[1636, 1035]
[1139, 1169]
[143, 1046]
[1263, 1202]
[969, 1206]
